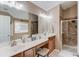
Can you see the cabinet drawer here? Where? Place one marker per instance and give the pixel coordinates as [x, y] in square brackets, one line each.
[29, 53]
[51, 44]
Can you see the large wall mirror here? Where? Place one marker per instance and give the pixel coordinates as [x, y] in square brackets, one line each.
[34, 23]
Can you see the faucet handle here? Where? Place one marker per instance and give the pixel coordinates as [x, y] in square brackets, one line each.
[23, 40]
[13, 43]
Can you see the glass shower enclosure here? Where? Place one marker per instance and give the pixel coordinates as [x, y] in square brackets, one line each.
[69, 32]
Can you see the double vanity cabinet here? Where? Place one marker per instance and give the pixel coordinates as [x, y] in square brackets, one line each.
[28, 49]
[26, 53]
[31, 52]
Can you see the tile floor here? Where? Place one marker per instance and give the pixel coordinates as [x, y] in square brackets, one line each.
[66, 52]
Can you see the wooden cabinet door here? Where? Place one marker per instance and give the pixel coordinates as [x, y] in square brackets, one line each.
[29, 53]
[51, 44]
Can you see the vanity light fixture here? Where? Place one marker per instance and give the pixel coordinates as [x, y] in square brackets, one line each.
[45, 16]
[19, 6]
[42, 15]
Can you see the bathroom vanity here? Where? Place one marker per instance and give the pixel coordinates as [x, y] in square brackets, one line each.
[28, 49]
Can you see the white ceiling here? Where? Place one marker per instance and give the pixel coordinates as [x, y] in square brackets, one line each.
[68, 4]
[46, 5]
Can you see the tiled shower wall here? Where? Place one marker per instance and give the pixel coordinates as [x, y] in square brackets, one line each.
[69, 29]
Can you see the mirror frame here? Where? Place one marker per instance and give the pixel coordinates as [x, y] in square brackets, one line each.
[20, 20]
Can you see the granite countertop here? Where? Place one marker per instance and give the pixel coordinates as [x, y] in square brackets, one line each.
[7, 51]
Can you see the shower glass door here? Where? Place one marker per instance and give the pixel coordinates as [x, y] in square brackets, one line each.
[69, 31]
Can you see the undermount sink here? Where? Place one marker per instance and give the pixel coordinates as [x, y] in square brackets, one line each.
[16, 48]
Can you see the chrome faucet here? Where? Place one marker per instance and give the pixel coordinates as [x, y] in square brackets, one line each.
[13, 43]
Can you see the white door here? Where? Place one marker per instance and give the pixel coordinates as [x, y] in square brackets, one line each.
[4, 28]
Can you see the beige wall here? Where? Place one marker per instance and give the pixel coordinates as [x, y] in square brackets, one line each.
[70, 12]
[4, 13]
[55, 13]
[61, 13]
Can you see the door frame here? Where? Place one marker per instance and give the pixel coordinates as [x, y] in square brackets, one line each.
[61, 31]
[8, 35]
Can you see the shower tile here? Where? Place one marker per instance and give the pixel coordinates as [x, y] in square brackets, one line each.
[69, 33]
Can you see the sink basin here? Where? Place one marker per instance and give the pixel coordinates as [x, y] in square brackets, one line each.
[17, 48]
[28, 40]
